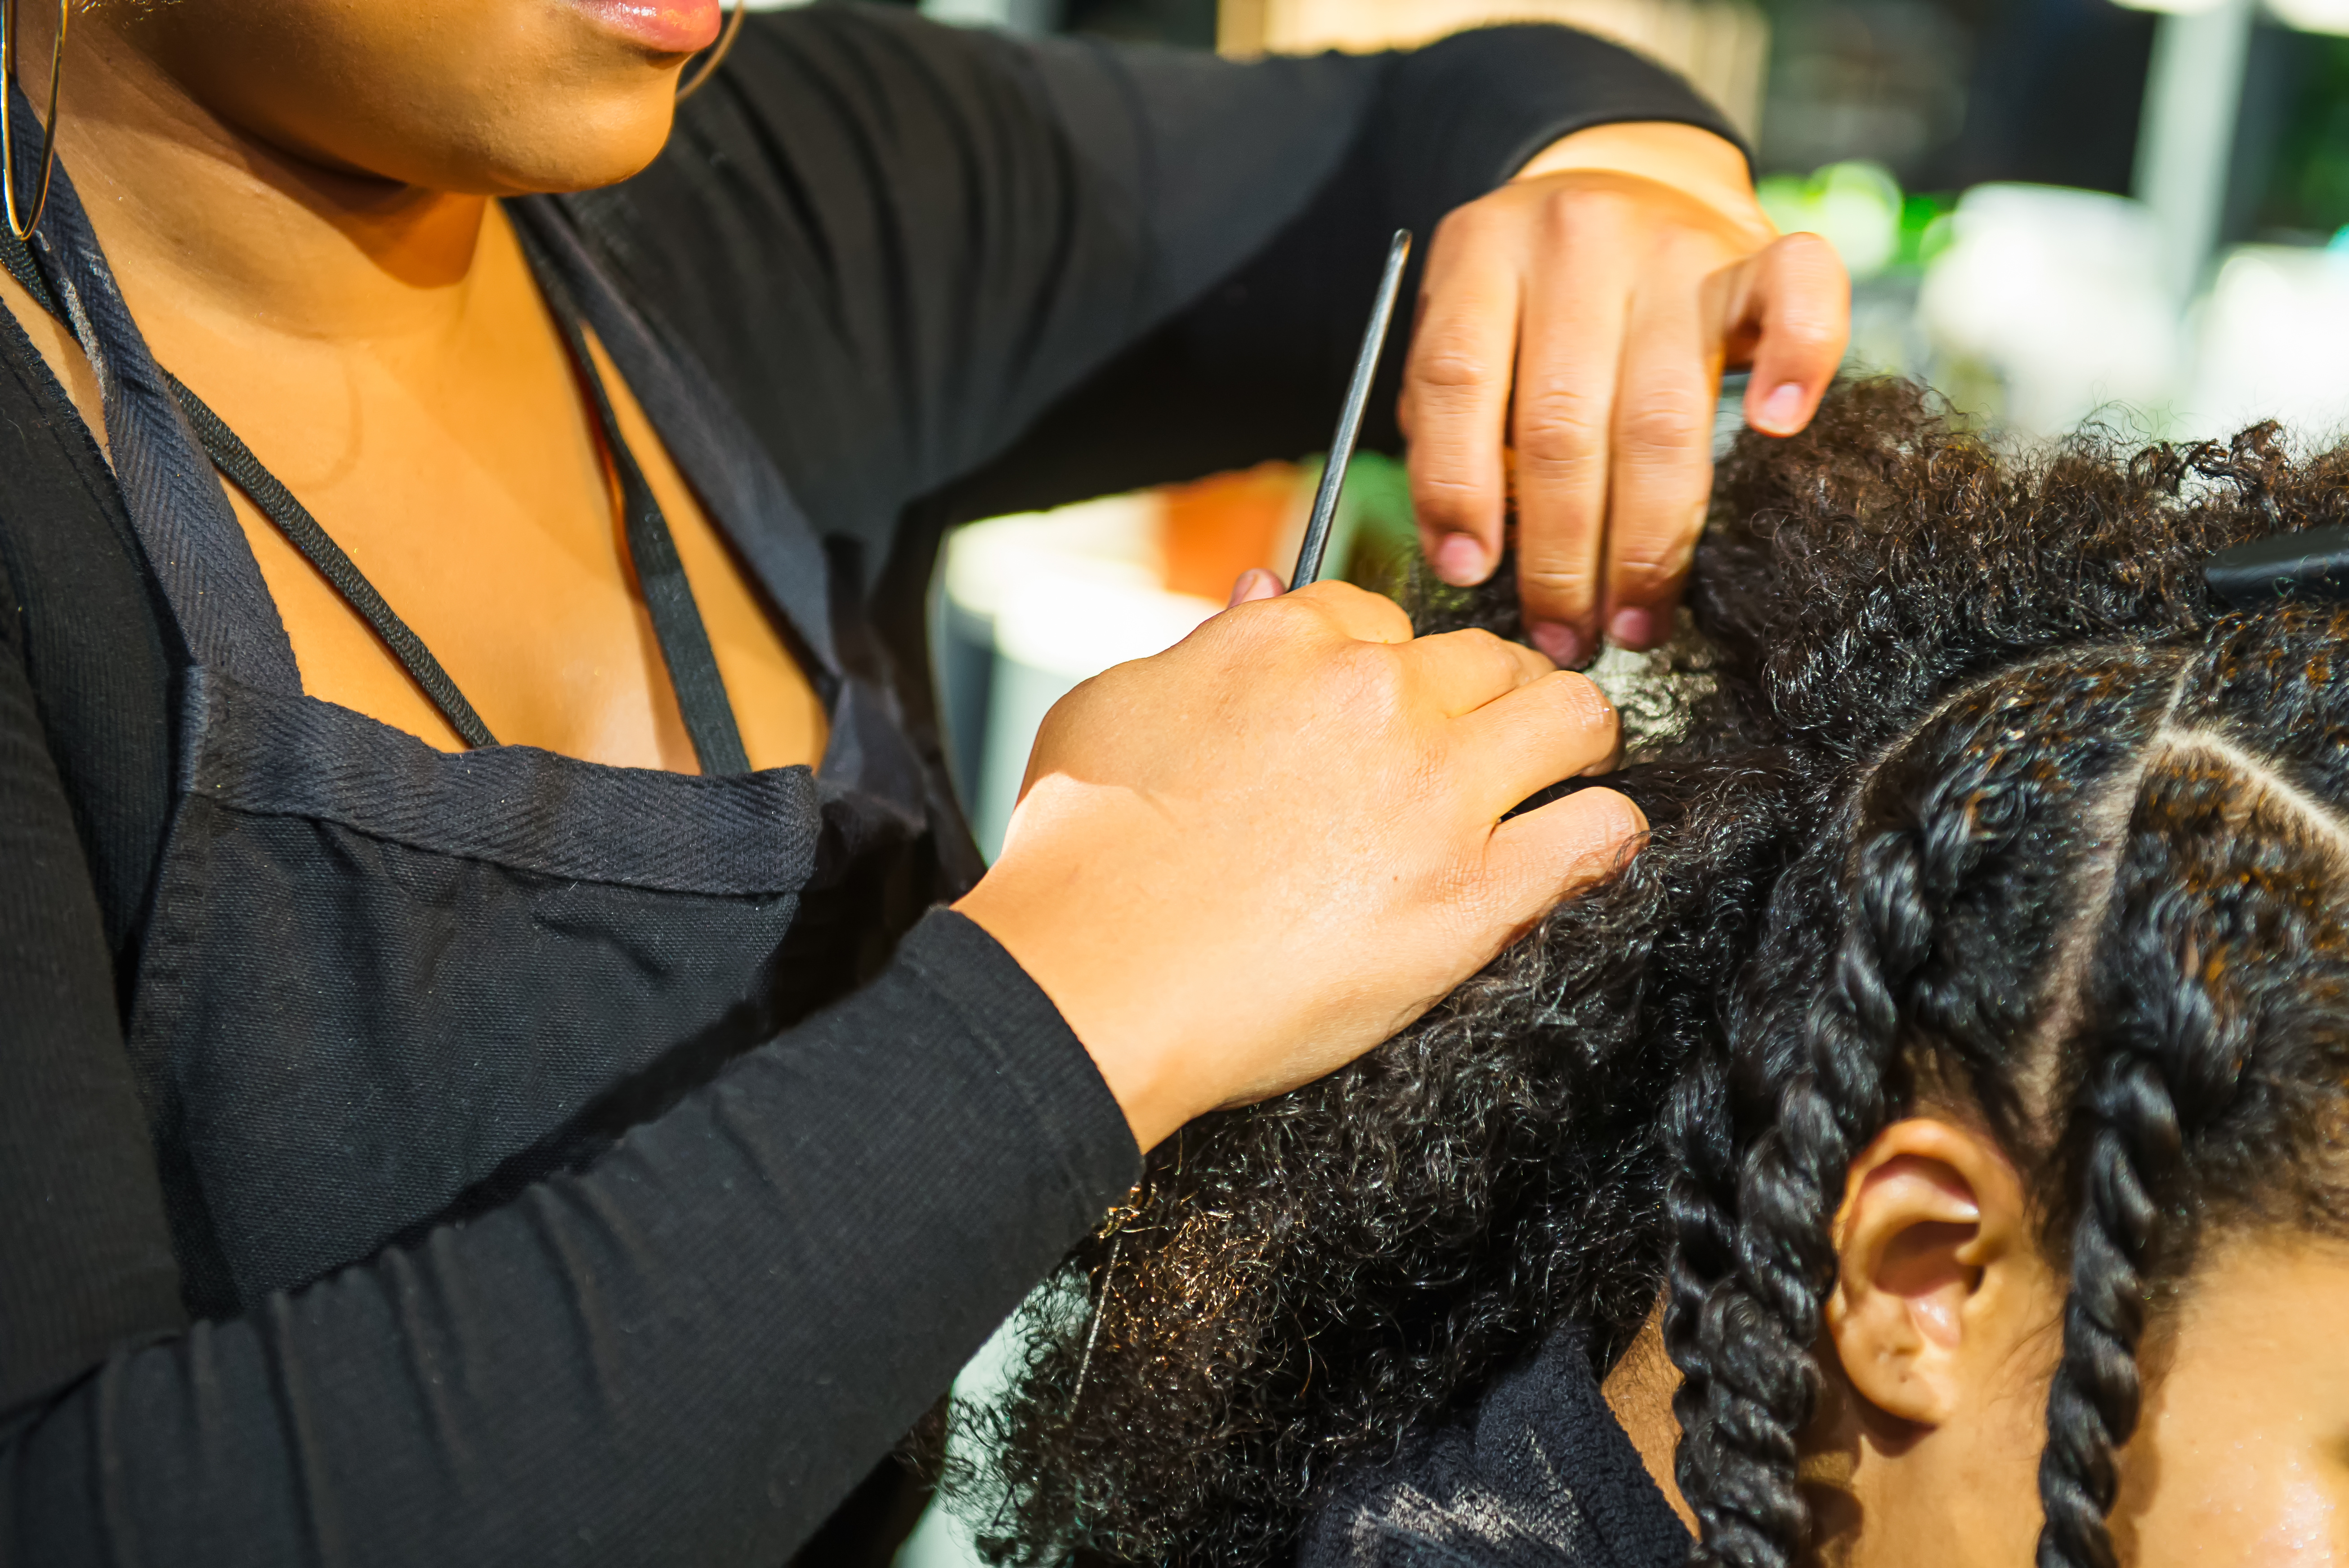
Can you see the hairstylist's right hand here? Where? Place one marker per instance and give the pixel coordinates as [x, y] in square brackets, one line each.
[1239, 865]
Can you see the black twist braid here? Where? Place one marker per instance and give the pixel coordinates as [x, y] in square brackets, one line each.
[1699, 1202]
[2092, 1404]
[1753, 1333]
[2172, 1064]
[1744, 1335]
[1736, 1453]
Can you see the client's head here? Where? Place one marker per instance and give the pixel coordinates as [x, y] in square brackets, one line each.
[1966, 1061]
[2013, 1184]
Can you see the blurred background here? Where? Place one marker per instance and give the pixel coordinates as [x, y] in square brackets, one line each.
[2054, 211]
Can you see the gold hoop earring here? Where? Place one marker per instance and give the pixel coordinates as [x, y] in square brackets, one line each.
[708, 66]
[24, 232]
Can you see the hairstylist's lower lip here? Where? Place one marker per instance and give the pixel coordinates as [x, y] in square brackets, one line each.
[672, 26]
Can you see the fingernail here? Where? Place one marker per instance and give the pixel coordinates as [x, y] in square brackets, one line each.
[1632, 627]
[1459, 561]
[1561, 644]
[1255, 582]
[1782, 409]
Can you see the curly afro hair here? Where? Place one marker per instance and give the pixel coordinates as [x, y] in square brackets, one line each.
[1961, 780]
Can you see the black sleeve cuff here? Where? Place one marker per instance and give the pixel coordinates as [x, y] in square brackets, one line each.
[1009, 1015]
[1463, 114]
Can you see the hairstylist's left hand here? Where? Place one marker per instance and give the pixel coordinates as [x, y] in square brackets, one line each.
[1619, 273]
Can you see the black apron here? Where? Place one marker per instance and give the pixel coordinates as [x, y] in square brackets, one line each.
[384, 985]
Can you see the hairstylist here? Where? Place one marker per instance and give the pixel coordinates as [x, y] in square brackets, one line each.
[478, 1083]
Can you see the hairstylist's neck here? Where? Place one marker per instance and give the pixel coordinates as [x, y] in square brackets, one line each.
[229, 232]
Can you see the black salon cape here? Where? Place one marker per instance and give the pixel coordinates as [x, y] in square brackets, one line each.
[942, 274]
[1539, 1476]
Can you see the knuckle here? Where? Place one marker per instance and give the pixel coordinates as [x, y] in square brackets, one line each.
[1560, 429]
[1440, 481]
[1587, 208]
[1665, 421]
[1473, 223]
[1448, 500]
[1496, 657]
[1810, 334]
[1387, 619]
[1483, 641]
[1636, 578]
[1272, 625]
[1615, 821]
[1367, 679]
[1812, 320]
[1576, 702]
[1337, 594]
[1804, 269]
[1607, 832]
[1563, 580]
[1654, 565]
[1327, 590]
[1449, 364]
[1664, 547]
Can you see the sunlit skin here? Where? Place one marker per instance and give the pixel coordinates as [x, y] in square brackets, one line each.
[1941, 1337]
[2244, 1459]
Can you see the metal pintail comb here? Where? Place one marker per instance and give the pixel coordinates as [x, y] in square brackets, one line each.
[1350, 421]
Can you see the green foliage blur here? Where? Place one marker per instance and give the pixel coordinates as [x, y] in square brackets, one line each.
[2307, 186]
[1859, 208]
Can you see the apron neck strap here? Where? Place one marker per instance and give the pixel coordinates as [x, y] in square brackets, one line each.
[193, 542]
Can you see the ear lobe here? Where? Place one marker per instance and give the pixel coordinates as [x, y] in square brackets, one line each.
[1931, 1220]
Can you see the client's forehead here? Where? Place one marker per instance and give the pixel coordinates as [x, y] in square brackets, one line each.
[2242, 1453]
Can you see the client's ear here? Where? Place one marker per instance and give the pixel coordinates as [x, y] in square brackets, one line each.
[1937, 1269]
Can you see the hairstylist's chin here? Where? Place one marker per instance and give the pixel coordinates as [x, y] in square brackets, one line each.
[482, 97]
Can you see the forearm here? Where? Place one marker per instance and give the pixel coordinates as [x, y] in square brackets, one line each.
[687, 1353]
[85, 1257]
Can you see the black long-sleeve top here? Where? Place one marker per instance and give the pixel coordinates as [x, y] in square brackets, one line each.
[940, 273]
